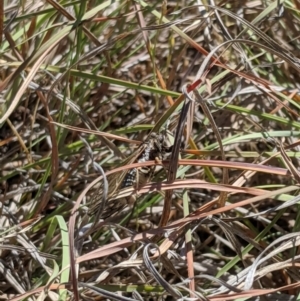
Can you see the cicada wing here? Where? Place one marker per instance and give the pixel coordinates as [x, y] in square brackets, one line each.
[98, 201]
[116, 181]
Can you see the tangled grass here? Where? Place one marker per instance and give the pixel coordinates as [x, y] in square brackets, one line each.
[83, 83]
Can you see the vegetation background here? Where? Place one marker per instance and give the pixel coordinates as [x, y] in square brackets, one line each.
[83, 83]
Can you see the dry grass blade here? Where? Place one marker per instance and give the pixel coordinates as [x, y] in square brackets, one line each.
[288, 57]
[174, 163]
[11, 279]
[291, 240]
[90, 125]
[30, 75]
[54, 158]
[176, 294]
[1, 19]
[289, 164]
[98, 133]
[223, 196]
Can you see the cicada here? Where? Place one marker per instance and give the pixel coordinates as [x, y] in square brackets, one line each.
[154, 147]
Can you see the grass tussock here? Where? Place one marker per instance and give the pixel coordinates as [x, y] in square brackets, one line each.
[84, 85]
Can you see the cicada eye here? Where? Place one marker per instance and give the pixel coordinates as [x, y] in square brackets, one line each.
[153, 135]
